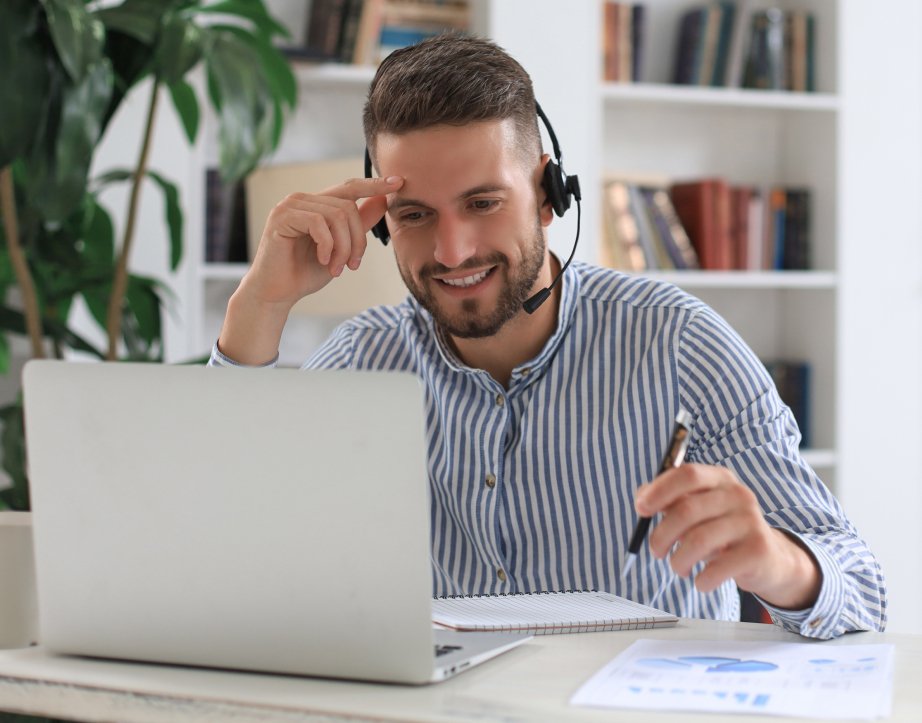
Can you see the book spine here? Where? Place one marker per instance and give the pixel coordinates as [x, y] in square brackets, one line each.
[688, 47]
[713, 19]
[727, 19]
[638, 35]
[625, 43]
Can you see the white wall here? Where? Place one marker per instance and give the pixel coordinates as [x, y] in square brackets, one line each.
[880, 331]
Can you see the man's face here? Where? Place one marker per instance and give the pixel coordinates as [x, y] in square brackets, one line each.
[465, 226]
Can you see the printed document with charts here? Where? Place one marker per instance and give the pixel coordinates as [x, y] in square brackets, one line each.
[545, 613]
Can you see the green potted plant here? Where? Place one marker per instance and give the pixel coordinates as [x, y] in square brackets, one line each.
[66, 66]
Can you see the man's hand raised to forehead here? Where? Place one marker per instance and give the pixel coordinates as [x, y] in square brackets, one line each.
[308, 240]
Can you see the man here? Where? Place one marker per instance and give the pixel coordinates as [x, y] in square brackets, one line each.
[545, 429]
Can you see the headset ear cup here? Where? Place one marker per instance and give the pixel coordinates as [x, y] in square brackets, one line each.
[555, 187]
[381, 232]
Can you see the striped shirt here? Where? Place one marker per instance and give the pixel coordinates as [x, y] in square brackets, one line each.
[532, 486]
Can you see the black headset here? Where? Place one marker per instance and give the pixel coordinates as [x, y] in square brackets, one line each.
[560, 188]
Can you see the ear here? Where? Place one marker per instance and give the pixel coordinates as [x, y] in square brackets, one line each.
[545, 211]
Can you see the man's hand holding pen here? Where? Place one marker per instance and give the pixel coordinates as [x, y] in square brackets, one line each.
[709, 516]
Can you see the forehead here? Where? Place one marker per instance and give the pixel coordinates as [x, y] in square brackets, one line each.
[443, 154]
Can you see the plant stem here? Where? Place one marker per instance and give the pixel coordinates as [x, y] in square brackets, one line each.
[20, 265]
[120, 280]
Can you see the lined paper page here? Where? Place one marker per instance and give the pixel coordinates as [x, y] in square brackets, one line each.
[545, 613]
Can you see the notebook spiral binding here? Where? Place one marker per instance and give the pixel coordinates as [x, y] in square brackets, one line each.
[509, 594]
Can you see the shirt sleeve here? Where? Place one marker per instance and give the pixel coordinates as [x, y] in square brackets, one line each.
[742, 424]
[218, 359]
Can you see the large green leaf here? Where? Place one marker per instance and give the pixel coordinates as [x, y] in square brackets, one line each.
[139, 19]
[186, 105]
[78, 36]
[57, 182]
[144, 305]
[4, 354]
[273, 66]
[173, 216]
[252, 10]
[246, 108]
[179, 49]
[171, 204]
[98, 238]
[24, 78]
[14, 321]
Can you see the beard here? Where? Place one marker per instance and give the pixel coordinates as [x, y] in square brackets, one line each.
[473, 321]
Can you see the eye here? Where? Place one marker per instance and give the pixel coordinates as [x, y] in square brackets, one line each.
[484, 204]
[412, 218]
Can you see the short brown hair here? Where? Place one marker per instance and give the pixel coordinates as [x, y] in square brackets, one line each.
[451, 79]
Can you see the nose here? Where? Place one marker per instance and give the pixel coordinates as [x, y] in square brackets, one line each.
[454, 241]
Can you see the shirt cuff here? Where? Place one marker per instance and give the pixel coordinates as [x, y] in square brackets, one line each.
[822, 620]
[218, 359]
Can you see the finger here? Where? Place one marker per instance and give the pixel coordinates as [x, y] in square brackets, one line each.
[665, 489]
[707, 542]
[319, 232]
[685, 514]
[732, 563]
[356, 188]
[302, 215]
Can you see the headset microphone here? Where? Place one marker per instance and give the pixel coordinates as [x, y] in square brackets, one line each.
[560, 188]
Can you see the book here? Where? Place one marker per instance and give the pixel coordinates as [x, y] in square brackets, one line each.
[765, 65]
[625, 43]
[369, 30]
[796, 249]
[610, 18]
[622, 30]
[547, 613]
[638, 35]
[742, 21]
[407, 22]
[792, 380]
[622, 248]
[672, 232]
[704, 209]
[324, 29]
[689, 46]
[225, 219]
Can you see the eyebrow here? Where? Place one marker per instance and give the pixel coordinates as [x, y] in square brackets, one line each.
[401, 202]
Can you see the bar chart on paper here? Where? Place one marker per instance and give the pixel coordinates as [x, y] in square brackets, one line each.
[845, 682]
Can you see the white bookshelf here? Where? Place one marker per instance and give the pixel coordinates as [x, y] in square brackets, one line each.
[656, 129]
[856, 143]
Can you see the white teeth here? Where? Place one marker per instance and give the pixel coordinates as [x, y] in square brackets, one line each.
[468, 280]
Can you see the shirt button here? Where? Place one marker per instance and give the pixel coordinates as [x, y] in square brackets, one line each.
[526, 371]
[501, 574]
[491, 480]
[815, 623]
[500, 400]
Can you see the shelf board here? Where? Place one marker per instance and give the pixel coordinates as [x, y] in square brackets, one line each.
[819, 280]
[211, 271]
[335, 74]
[666, 94]
[825, 458]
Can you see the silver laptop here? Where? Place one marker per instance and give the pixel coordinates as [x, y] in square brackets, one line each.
[260, 520]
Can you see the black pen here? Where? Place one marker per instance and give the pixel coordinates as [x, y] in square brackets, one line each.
[674, 456]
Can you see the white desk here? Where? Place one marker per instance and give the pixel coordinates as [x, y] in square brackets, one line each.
[531, 683]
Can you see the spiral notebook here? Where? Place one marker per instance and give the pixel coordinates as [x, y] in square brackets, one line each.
[546, 613]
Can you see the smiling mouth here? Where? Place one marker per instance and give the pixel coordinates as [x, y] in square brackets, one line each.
[468, 281]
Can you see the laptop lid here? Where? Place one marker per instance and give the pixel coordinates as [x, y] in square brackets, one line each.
[273, 521]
